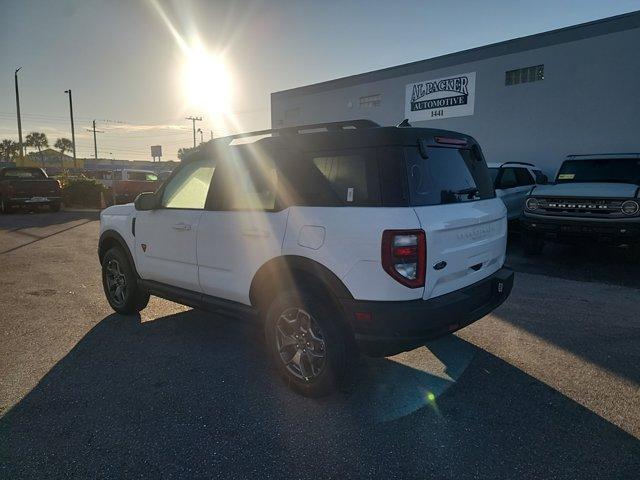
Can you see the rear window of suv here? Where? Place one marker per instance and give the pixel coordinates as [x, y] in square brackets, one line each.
[447, 175]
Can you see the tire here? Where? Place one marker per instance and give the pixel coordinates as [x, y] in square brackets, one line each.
[4, 208]
[532, 245]
[318, 356]
[54, 207]
[118, 272]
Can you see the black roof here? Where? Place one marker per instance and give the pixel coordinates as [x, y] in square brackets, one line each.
[582, 31]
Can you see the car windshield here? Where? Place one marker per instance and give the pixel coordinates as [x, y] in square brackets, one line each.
[448, 175]
[616, 170]
[143, 176]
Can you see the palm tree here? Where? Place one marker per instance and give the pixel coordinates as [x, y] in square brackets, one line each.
[8, 148]
[37, 140]
[64, 145]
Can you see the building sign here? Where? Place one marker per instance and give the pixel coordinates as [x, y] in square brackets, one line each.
[441, 98]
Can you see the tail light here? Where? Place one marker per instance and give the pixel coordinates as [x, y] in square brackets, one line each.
[404, 256]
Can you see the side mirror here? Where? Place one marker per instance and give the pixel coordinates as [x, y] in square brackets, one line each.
[543, 180]
[146, 201]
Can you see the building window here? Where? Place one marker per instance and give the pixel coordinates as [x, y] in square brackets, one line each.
[370, 101]
[524, 75]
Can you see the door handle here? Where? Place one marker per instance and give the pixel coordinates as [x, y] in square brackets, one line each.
[254, 232]
[182, 226]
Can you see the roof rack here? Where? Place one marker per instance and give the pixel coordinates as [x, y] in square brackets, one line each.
[601, 155]
[517, 163]
[312, 128]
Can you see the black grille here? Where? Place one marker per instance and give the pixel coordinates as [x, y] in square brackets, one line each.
[580, 206]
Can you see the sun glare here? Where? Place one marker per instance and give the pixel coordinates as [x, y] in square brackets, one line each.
[206, 82]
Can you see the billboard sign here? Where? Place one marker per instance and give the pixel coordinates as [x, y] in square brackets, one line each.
[156, 151]
[439, 98]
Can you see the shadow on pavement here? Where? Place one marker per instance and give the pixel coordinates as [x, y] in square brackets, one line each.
[19, 220]
[590, 262]
[190, 395]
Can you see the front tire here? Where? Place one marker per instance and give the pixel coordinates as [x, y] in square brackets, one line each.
[306, 343]
[120, 283]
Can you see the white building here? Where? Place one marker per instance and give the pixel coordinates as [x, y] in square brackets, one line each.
[535, 99]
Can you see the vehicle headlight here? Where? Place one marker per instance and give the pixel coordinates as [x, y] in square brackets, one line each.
[630, 207]
[532, 204]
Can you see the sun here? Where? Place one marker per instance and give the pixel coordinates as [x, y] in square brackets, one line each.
[206, 82]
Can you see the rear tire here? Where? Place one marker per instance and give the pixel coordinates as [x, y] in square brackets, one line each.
[306, 343]
[4, 208]
[120, 283]
[532, 245]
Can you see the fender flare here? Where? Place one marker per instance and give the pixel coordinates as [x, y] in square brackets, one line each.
[295, 265]
[108, 239]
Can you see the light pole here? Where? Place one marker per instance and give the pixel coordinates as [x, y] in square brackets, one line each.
[194, 120]
[15, 75]
[73, 132]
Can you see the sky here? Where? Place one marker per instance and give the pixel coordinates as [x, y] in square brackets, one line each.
[139, 67]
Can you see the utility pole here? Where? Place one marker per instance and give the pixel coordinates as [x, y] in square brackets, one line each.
[95, 144]
[211, 132]
[18, 109]
[73, 132]
[200, 131]
[194, 120]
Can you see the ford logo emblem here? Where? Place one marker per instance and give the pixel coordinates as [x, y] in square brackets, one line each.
[440, 265]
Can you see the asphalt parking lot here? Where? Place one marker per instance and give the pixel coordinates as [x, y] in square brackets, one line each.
[548, 386]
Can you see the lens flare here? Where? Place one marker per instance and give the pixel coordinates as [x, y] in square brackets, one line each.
[206, 82]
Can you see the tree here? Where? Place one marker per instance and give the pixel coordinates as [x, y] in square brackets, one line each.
[37, 140]
[64, 145]
[184, 153]
[8, 149]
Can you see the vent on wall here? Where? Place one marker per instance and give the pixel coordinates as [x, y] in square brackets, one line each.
[370, 101]
[524, 75]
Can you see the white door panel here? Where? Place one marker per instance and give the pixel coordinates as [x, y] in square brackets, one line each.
[166, 246]
[233, 245]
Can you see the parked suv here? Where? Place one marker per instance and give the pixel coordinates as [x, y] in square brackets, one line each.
[513, 181]
[340, 237]
[594, 198]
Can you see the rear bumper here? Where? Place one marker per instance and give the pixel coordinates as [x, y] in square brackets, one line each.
[399, 326]
[605, 230]
[32, 200]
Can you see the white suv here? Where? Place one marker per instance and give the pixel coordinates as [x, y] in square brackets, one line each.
[340, 237]
[513, 181]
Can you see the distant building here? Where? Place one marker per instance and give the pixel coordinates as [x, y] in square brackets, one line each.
[535, 99]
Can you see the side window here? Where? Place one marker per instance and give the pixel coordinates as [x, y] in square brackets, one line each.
[188, 189]
[541, 178]
[353, 176]
[508, 178]
[251, 181]
[523, 177]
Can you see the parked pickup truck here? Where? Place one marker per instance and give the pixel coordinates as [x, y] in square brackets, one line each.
[27, 186]
[594, 198]
[124, 185]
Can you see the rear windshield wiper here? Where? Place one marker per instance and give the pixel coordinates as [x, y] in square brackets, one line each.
[470, 192]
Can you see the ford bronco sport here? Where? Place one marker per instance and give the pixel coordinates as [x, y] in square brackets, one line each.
[340, 237]
[594, 198]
